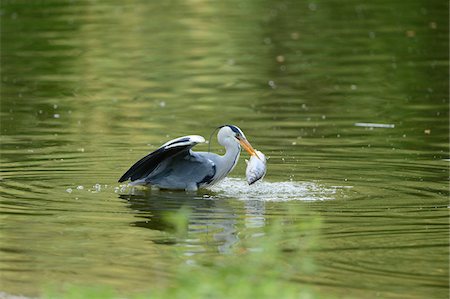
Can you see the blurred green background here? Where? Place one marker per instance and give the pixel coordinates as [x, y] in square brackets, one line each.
[89, 87]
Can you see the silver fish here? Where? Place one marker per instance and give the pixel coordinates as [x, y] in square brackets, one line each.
[256, 167]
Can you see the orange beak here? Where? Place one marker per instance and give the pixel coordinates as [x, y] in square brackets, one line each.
[248, 147]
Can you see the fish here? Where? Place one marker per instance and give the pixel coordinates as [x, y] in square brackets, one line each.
[256, 167]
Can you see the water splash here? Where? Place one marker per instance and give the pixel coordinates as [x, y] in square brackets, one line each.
[274, 191]
[236, 188]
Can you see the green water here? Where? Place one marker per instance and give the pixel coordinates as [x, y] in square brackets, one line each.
[89, 87]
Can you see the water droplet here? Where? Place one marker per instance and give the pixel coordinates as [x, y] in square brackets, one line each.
[97, 187]
[69, 190]
[56, 115]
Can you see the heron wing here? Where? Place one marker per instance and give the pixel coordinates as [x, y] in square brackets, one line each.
[149, 163]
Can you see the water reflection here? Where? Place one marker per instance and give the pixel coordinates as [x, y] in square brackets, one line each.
[255, 211]
[212, 222]
[214, 216]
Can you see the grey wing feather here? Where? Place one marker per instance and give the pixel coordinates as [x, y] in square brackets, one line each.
[149, 163]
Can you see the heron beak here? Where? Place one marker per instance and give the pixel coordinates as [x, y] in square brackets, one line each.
[247, 146]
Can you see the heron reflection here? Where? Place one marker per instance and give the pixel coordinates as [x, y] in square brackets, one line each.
[212, 222]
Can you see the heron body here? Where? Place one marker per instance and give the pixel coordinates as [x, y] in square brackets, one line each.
[175, 166]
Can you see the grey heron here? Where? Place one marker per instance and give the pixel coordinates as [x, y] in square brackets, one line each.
[175, 166]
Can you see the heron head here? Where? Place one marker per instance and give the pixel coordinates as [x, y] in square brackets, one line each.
[230, 133]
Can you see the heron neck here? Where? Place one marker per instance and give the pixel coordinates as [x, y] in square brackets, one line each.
[231, 156]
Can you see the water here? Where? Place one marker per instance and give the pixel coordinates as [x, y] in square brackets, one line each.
[349, 101]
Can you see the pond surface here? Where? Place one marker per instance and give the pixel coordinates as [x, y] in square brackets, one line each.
[349, 100]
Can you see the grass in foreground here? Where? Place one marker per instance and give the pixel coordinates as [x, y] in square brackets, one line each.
[263, 267]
